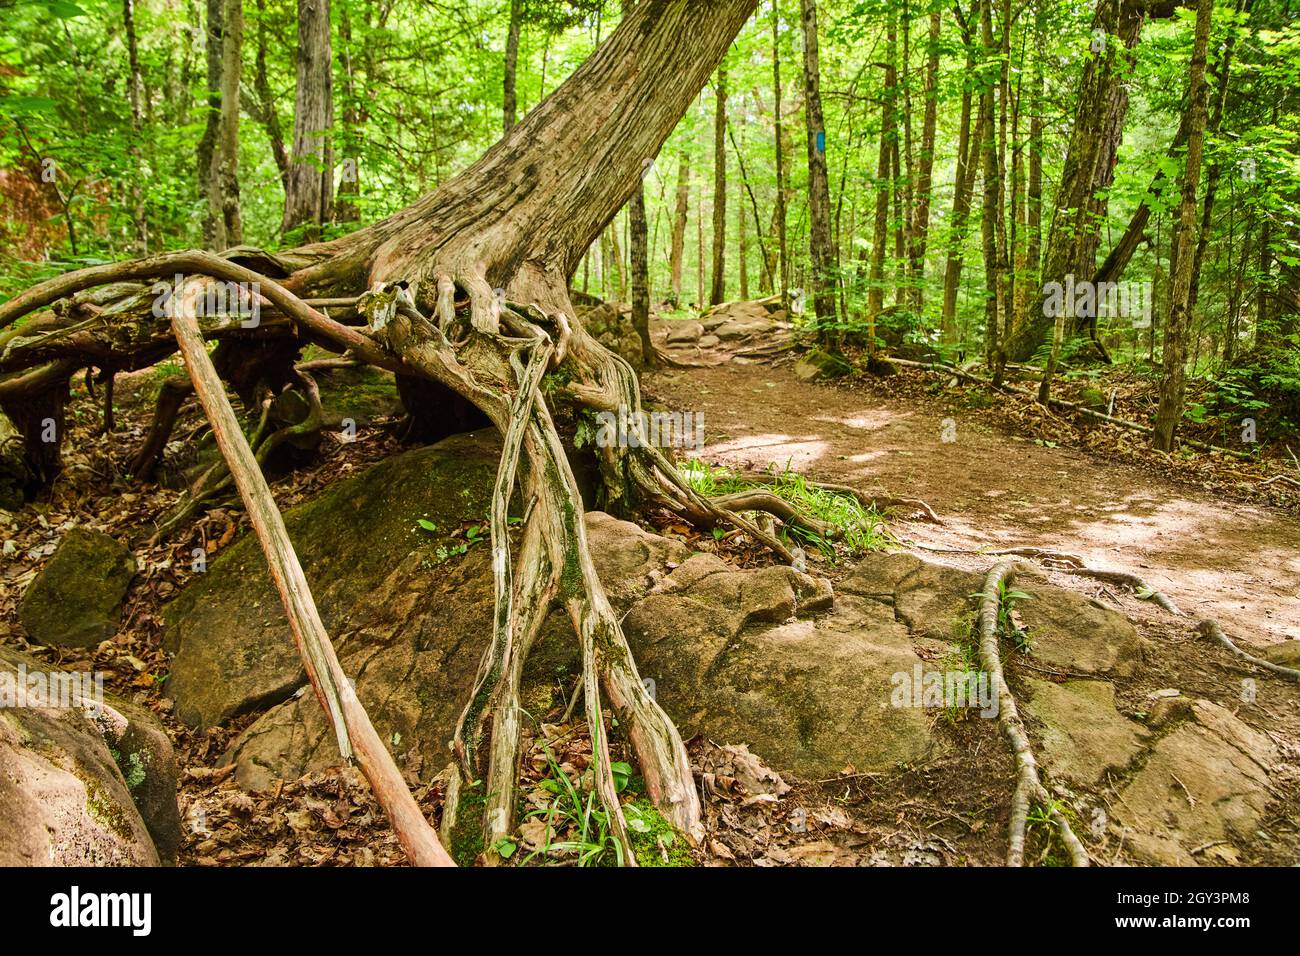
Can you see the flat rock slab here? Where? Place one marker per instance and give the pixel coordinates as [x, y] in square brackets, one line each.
[1067, 632]
[1080, 733]
[76, 600]
[1203, 788]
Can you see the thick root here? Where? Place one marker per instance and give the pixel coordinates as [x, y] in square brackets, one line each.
[1029, 785]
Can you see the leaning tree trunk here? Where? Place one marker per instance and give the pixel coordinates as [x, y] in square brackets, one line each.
[468, 288]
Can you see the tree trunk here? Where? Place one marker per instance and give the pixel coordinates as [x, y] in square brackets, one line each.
[136, 96]
[819, 196]
[963, 186]
[213, 225]
[226, 156]
[510, 99]
[640, 259]
[920, 232]
[309, 199]
[1170, 409]
[991, 216]
[678, 245]
[742, 241]
[880, 233]
[717, 292]
[1089, 167]
[782, 277]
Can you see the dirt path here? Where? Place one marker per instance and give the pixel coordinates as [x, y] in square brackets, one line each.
[1237, 563]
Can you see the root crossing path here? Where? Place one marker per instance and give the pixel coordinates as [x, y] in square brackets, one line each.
[1236, 563]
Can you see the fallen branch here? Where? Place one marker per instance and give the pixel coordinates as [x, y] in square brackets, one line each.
[355, 734]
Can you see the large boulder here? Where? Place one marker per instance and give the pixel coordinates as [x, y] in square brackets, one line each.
[76, 600]
[137, 744]
[63, 798]
[228, 631]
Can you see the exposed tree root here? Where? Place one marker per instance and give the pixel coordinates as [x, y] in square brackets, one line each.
[1029, 786]
[873, 502]
[1211, 630]
[354, 733]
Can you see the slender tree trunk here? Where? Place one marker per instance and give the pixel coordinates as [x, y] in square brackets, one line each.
[819, 196]
[346, 209]
[226, 156]
[717, 292]
[310, 197]
[880, 233]
[743, 250]
[924, 182]
[136, 95]
[679, 224]
[213, 223]
[263, 108]
[963, 186]
[783, 260]
[1170, 409]
[510, 98]
[991, 217]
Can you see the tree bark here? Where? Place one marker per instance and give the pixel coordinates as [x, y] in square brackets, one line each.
[920, 233]
[510, 99]
[135, 94]
[718, 288]
[782, 277]
[308, 202]
[880, 232]
[819, 196]
[1170, 409]
[678, 244]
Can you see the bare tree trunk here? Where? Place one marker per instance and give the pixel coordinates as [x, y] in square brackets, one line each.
[920, 232]
[742, 241]
[819, 196]
[679, 224]
[226, 156]
[263, 108]
[963, 186]
[991, 217]
[880, 235]
[136, 96]
[510, 98]
[783, 260]
[717, 292]
[346, 208]
[213, 224]
[1183, 267]
[309, 199]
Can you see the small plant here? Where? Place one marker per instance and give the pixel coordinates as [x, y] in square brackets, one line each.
[1008, 598]
[857, 529]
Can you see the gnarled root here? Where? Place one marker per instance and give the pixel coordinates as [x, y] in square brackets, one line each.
[1029, 785]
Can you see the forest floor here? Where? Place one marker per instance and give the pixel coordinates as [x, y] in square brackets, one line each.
[994, 487]
[1002, 481]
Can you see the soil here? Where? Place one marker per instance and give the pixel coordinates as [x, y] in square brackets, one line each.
[1236, 562]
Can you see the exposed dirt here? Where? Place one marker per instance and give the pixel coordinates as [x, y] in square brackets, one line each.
[1236, 562]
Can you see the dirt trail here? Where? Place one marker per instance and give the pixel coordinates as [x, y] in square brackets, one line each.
[1237, 563]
